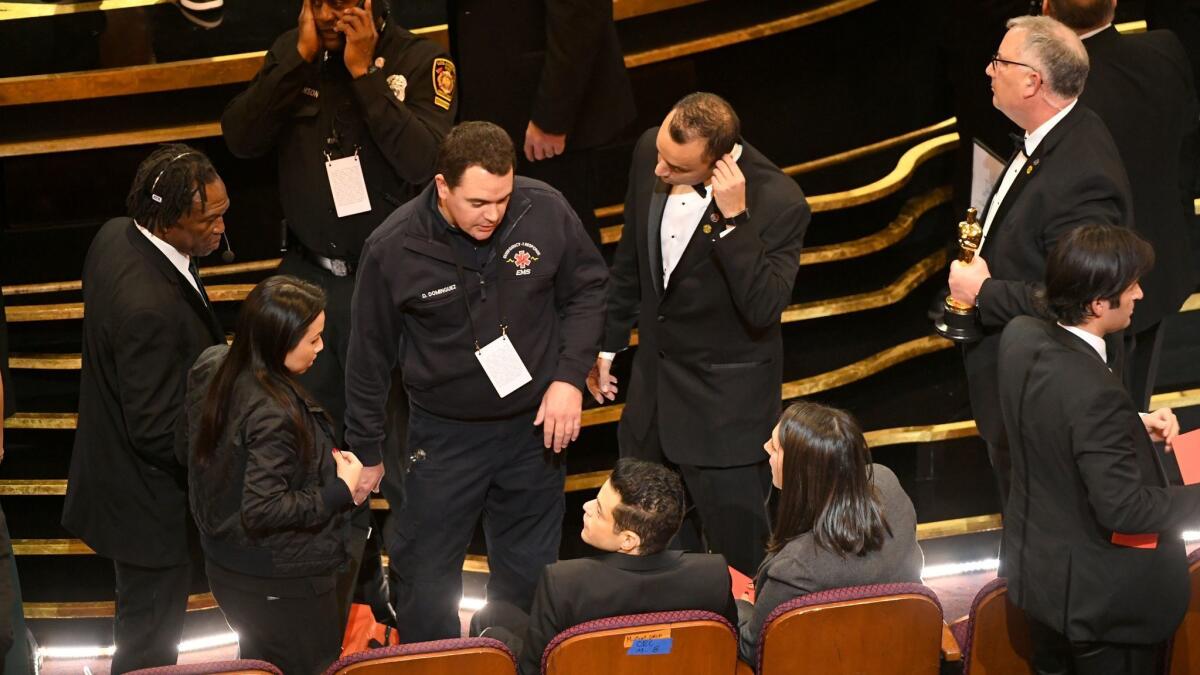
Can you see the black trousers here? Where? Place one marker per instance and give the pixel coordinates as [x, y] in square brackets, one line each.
[1053, 654]
[1141, 363]
[462, 470]
[297, 627]
[729, 501]
[151, 604]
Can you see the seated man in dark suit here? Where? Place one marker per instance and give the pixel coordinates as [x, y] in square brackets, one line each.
[637, 511]
[1085, 474]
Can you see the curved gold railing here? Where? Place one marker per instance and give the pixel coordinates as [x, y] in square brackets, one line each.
[610, 235]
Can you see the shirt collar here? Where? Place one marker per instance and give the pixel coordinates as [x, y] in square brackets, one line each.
[1034, 139]
[1099, 30]
[1095, 342]
[182, 262]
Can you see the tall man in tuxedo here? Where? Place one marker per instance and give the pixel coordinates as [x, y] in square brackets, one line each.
[1066, 171]
[148, 318]
[551, 74]
[1141, 86]
[1085, 474]
[706, 264]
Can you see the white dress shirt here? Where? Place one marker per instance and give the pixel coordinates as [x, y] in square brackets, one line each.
[1094, 341]
[182, 262]
[1014, 168]
[680, 217]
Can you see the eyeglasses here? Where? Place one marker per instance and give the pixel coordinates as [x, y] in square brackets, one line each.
[996, 61]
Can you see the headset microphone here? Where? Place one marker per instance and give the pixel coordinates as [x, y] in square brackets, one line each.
[227, 254]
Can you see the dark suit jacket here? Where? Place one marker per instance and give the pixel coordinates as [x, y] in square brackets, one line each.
[557, 62]
[1083, 468]
[710, 354]
[143, 327]
[571, 592]
[1077, 177]
[1141, 86]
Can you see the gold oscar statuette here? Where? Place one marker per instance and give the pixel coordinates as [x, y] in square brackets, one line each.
[959, 321]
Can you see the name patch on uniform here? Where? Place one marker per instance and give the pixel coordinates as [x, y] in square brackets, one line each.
[309, 91]
[443, 83]
[522, 254]
[438, 291]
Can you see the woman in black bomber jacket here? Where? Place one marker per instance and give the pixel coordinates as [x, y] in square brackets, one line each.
[269, 492]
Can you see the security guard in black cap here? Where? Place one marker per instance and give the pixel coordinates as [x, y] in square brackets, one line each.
[354, 106]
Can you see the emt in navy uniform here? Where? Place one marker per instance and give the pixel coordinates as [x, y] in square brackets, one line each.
[351, 98]
[497, 294]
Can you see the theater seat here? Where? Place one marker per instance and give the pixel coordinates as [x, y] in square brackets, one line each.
[994, 636]
[478, 656]
[235, 667]
[691, 642]
[1183, 656]
[882, 629]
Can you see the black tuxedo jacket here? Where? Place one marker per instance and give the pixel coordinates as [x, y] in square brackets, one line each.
[143, 327]
[571, 592]
[1141, 86]
[1083, 468]
[1074, 177]
[557, 62]
[709, 361]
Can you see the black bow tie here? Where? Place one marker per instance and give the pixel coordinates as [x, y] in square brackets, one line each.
[1018, 142]
[701, 190]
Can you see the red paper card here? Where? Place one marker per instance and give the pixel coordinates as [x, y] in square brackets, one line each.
[1135, 540]
[742, 584]
[1187, 452]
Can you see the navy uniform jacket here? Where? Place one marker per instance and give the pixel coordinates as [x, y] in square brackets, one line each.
[144, 327]
[395, 117]
[713, 335]
[1083, 467]
[543, 269]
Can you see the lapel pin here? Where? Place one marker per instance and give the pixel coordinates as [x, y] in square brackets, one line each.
[714, 217]
[707, 228]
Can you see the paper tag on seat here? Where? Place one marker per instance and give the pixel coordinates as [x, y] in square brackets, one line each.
[647, 635]
[503, 366]
[1135, 540]
[347, 185]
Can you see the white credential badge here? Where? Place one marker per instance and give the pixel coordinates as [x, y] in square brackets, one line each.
[503, 366]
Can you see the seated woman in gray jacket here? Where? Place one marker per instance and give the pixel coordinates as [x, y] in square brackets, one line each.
[842, 521]
[269, 492]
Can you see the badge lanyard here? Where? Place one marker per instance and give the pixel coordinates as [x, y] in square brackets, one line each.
[467, 302]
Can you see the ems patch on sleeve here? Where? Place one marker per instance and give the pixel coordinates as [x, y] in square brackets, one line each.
[443, 82]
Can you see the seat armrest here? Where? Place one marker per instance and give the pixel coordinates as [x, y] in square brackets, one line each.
[951, 651]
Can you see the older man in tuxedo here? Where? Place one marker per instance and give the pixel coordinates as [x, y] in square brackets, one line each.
[1065, 171]
[1092, 536]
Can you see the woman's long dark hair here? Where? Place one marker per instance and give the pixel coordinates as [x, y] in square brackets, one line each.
[273, 319]
[827, 483]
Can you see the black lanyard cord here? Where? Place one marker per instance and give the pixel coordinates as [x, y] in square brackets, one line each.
[462, 284]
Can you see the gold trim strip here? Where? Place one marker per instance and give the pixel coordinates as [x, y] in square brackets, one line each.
[958, 526]
[1132, 27]
[896, 230]
[206, 272]
[111, 140]
[11, 11]
[45, 361]
[33, 488]
[859, 370]
[890, 183]
[762, 30]
[891, 294]
[32, 420]
[1196, 207]
[100, 609]
[51, 547]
